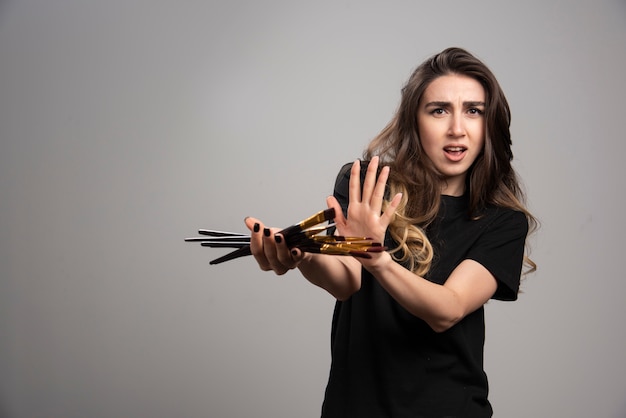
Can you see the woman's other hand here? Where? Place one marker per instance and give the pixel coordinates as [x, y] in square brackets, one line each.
[270, 249]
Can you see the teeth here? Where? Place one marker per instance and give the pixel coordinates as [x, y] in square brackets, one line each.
[454, 149]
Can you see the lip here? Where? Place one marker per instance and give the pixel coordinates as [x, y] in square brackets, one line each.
[455, 153]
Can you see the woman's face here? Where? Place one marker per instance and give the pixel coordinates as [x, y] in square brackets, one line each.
[451, 125]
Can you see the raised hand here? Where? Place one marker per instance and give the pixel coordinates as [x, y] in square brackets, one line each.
[365, 216]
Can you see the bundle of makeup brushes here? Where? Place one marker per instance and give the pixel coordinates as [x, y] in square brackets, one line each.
[305, 235]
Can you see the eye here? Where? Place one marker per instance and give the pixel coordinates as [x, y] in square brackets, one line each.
[475, 111]
[437, 111]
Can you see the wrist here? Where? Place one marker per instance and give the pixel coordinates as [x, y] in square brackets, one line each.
[379, 262]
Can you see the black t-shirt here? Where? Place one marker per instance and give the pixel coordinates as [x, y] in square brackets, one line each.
[388, 363]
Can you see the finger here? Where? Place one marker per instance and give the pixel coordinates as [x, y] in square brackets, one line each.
[249, 221]
[390, 211]
[332, 202]
[297, 255]
[269, 247]
[284, 253]
[354, 187]
[379, 191]
[256, 243]
[370, 181]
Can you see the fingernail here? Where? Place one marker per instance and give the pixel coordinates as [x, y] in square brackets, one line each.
[278, 239]
[256, 227]
[266, 232]
[294, 252]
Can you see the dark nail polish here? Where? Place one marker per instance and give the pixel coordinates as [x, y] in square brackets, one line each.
[257, 227]
[294, 252]
[266, 232]
[278, 239]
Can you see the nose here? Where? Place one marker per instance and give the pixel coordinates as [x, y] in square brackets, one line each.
[457, 127]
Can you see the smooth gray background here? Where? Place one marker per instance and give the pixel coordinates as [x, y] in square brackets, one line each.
[126, 125]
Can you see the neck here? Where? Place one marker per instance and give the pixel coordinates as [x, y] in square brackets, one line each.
[453, 187]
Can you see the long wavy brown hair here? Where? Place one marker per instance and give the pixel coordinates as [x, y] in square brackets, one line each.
[491, 179]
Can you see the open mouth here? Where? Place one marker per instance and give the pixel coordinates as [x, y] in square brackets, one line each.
[455, 151]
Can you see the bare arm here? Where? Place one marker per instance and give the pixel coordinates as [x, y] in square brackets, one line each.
[468, 288]
[339, 276]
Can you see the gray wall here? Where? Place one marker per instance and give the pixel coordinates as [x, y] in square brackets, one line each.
[127, 125]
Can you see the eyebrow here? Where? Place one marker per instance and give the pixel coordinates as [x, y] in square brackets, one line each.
[444, 104]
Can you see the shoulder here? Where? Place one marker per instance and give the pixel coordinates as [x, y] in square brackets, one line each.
[344, 172]
[500, 218]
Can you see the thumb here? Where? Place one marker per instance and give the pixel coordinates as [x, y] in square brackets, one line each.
[390, 211]
[333, 203]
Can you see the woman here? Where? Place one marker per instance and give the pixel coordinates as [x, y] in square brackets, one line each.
[408, 327]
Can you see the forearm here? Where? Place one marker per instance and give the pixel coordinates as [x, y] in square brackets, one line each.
[339, 276]
[441, 306]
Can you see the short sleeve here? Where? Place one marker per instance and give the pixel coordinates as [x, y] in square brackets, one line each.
[500, 249]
